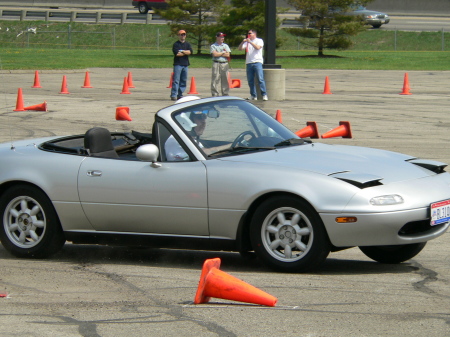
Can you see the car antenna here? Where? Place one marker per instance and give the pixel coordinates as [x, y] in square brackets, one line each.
[6, 104]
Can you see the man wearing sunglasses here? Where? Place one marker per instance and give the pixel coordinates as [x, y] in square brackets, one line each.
[181, 50]
[253, 47]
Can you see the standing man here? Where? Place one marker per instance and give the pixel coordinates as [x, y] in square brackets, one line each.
[254, 61]
[220, 55]
[181, 50]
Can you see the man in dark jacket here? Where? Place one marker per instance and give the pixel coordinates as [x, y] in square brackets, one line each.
[181, 51]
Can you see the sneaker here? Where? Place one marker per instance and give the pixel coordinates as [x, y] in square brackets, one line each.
[252, 98]
[265, 98]
[173, 98]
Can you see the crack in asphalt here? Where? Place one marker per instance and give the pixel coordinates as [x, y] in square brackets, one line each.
[174, 311]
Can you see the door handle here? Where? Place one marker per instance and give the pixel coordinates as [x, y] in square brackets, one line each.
[94, 173]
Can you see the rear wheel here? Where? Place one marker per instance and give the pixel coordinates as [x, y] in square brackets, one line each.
[288, 235]
[143, 8]
[393, 254]
[30, 225]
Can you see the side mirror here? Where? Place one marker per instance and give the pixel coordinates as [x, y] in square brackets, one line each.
[148, 152]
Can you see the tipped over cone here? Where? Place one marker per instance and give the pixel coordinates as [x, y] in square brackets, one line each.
[216, 283]
[235, 83]
[87, 81]
[37, 82]
[19, 102]
[326, 89]
[64, 89]
[193, 88]
[38, 107]
[125, 89]
[123, 114]
[343, 130]
[278, 116]
[310, 130]
[406, 87]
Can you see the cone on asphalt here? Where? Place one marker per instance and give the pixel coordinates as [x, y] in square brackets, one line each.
[37, 82]
[37, 107]
[19, 102]
[125, 89]
[193, 88]
[278, 116]
[130, 80]
[171, 81]
[64, 89]
[406, 87]
[123, 113]
[343, 130]
[229, 80]
[87, 81]
[326, 89]
[310, 130]
[216, 283]
[235, 83]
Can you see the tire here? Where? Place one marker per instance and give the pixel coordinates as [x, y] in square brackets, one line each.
[30, 226]
[143, 8]
[393, 254]
[376, 26]
[288, 235]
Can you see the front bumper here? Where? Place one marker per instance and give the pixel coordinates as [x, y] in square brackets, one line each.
[380, 229]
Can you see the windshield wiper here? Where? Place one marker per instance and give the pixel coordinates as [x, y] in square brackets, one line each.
[293, 141]
[238, 149]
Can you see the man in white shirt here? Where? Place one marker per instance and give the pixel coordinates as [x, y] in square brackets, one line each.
[254, 61]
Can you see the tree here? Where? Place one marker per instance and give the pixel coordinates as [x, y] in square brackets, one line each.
[330, 22]
[197, 17]
[242, 16]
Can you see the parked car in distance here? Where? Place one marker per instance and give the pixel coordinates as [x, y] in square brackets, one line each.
[373, 18]
[145, 5]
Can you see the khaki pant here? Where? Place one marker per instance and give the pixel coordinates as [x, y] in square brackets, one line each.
[220, 77]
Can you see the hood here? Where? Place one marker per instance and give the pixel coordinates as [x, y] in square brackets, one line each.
[358, 163]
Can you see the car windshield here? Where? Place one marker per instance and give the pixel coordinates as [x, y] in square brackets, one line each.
[231, 127]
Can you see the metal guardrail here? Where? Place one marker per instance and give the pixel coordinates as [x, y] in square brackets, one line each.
[71, 15]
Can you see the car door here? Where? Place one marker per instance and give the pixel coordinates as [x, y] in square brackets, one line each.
[132, 196]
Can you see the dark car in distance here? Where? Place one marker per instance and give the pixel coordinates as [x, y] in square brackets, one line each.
[144, 6]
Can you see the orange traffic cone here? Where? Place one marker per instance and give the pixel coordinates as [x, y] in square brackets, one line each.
[19, 103]
[38, 107]
[278, 116]
[87, 81]
[230, 83]
[216, 283]
[130, 80]
[171, 81]
[193, 88]
[326, 89]
[235, 83]
[64, 89]
[405, 86]
[343, 130]
[125, 87]
[37, 83]
[123, 114]
[311, 130]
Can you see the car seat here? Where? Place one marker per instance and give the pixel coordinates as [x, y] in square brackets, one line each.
[98, 143]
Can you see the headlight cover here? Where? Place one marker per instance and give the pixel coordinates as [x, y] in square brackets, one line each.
[391, 199]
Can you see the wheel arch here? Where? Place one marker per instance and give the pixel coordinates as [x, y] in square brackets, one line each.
[243, 235]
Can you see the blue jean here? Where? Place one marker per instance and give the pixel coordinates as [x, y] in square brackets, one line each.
[180, 74]
[252, 70]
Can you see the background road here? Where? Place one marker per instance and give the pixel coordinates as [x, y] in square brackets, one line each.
[111, 291]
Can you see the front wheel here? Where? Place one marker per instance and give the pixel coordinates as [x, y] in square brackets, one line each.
[143, 8]
[30, 225]
[288, 235]
[393, 254]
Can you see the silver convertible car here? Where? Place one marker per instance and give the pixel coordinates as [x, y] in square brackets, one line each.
[219, 174]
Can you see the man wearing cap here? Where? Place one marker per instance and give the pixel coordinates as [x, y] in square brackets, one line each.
[181, 50]
[220, 53]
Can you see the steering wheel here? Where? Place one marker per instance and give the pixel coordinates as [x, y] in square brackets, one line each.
[239, 139]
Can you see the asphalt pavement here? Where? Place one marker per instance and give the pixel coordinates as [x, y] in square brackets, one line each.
[92, 290]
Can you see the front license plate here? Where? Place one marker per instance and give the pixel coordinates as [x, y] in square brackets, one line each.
[440, 212]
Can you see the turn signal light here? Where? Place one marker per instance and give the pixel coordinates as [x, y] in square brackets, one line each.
[346, 219]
